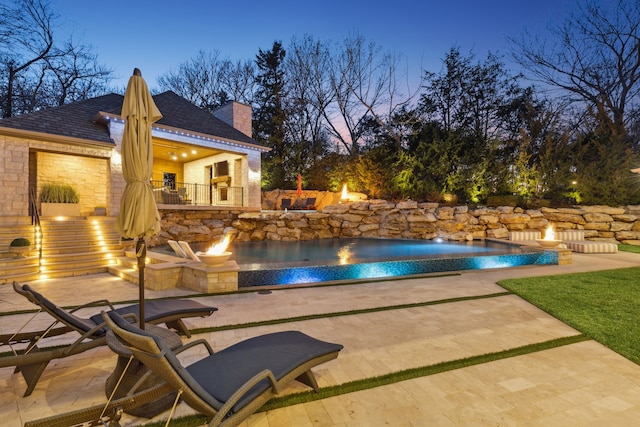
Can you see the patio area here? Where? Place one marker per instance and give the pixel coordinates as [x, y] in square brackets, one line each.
[582, 384]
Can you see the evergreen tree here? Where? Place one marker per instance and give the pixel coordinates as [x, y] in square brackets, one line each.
[270, 116]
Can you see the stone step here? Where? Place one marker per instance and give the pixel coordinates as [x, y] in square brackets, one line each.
[7, 234]
[10, 266]
[71, 247]
[20, 277]
[124, 272]
[69, 262]
[79, 247]
[127, 262]
[73, 272]
[64, 256]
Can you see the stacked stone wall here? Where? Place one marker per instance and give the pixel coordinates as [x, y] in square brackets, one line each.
[409, 220]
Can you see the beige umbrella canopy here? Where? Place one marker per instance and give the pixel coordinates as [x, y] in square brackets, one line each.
[138, 217]
[138, 211]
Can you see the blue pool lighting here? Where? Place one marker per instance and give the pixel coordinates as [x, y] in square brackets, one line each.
[302, 262]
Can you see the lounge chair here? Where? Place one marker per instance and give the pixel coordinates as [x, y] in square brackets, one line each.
[233, 383]
[177, 249]
[285, 204]
[32, 361]
[309, 204]
[527, 237]
[188, 251]
[574, 239]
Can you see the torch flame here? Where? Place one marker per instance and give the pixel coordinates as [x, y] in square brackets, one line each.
[549, 234]
[344, 192]
[220, 247]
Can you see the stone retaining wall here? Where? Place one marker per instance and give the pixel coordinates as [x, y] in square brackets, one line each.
[379, 218]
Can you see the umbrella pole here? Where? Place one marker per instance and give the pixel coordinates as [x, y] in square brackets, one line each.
[141, 254]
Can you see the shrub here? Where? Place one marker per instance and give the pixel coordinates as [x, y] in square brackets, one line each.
[58, 193]
[20, 242]
[505, 200]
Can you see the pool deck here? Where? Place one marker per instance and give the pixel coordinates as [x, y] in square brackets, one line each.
[583, 384]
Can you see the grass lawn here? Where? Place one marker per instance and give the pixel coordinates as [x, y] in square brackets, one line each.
[603, 305]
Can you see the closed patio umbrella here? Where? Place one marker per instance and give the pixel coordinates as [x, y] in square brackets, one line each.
[138, 217]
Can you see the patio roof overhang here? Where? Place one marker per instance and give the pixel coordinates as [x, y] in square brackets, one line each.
[205, 139]
[49, 137]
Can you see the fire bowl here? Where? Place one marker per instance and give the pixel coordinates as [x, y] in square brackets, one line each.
[548, 243]
[213, 260]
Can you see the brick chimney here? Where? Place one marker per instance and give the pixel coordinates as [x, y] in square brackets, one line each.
[237, 115]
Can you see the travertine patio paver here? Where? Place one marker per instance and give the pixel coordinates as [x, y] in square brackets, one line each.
[582, 384]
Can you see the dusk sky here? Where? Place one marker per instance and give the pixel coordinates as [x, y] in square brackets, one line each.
[157, 36]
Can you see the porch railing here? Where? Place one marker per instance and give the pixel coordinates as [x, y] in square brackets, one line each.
[183, 193]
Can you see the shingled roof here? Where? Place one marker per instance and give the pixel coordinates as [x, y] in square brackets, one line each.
[78, 119]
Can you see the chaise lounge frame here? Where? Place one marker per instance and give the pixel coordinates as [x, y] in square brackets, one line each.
[261, 366]
[32, 361]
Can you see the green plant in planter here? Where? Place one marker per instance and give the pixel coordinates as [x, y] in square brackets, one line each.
[20, 242]
[58, 193]
[20, 246]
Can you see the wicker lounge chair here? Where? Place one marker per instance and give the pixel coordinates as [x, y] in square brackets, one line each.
[32, 361]
[233, 383]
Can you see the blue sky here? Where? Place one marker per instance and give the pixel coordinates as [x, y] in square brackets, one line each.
[156, 36]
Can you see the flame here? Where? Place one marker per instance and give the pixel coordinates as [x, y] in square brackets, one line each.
[345, 254]
[220, 247]
[344, 192]
[549, 234]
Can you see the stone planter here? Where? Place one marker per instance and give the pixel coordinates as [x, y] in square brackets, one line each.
[60, 209]
[20, 251]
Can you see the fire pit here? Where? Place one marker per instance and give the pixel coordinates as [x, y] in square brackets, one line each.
[548, 243]
[213, 260]
[549, 240]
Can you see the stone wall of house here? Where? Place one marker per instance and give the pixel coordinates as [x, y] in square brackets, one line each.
[409, 219]
[87, 175]
[14, 184]
[22, 161]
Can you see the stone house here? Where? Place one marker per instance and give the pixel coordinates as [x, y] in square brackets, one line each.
[201, 160]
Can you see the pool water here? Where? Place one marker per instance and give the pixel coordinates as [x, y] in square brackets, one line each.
[258, 255]
[276, 262]
[271, 262]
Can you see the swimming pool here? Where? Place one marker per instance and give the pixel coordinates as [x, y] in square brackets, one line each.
[284, 263]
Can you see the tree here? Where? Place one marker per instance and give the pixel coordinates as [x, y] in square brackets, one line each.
[270, 116]
[26, 38]
[74, 74]
[593, 59]
[365, 85]
[208, 80]
[308, 94]
[37, 73]
[469, 100]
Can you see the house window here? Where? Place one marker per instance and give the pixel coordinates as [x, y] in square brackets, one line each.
[169, 180]
[224, 193]
[221, 168]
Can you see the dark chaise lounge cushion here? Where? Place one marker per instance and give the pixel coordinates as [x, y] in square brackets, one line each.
[223, 373]
[159, 309]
